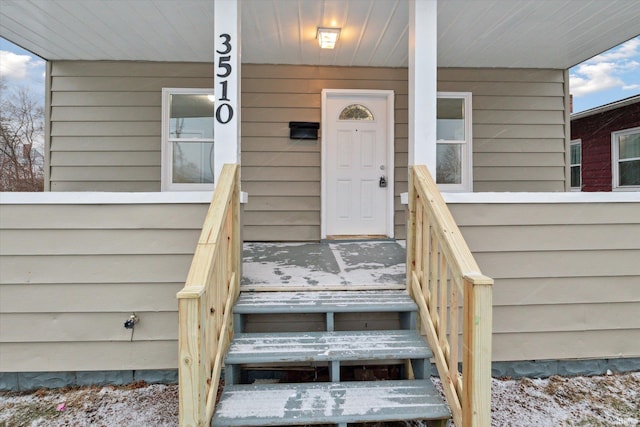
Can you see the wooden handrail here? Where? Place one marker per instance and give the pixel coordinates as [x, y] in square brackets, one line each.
[440, 266]
[205, 303]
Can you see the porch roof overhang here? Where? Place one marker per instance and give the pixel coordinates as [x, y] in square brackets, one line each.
[479, 33]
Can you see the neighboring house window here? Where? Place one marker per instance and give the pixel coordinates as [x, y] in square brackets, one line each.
[453, 147]
[576, 164]
[625, 154]
[187, 139]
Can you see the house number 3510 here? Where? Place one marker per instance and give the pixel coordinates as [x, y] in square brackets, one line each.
[224, 111]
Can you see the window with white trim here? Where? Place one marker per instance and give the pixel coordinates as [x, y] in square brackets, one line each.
[625, 159]
[187, 139]
[453, 145]
[576, 164]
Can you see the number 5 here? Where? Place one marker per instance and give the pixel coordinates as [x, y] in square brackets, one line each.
[222, 63]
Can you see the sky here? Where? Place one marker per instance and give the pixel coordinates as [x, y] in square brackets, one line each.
[605, 78]
[608, 77]
[20, 68]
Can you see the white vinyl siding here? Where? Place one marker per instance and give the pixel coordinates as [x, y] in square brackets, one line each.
[519, 126]
[565, 277]
[282, 176]
[565, 274]
[73, 273]
[106, 122]
[518, 137]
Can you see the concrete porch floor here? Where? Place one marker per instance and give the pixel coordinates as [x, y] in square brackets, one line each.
[350, 265]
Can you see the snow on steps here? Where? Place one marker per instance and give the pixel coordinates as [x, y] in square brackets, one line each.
[324, 302]
[327, 302]
[326, 346]
[322, 403]
[330, 402]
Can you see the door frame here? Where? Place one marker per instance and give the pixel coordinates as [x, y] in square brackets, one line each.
[388, 96]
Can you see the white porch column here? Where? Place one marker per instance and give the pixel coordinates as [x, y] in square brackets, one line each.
[226, 83]
[423, 64]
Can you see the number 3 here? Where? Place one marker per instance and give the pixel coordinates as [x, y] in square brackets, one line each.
[226, 43]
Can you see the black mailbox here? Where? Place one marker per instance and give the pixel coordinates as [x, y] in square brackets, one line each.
[303, 130]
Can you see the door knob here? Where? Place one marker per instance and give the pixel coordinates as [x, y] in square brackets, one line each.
[383, 181]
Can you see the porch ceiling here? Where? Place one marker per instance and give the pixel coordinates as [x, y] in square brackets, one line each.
[478, 33]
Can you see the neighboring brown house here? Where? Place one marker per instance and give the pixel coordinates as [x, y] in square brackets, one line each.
[605, 147]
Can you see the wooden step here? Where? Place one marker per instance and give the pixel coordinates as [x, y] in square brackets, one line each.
[329, 403]
[324, 302]
[327, 346]
[327, 303]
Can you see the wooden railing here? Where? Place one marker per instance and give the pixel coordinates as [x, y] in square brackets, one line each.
[445, 281]
[206, 301]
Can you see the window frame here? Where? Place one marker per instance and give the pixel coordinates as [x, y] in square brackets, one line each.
[466, 182]
[577, 142]
[370, 117]
[166, 166]
[615, 160]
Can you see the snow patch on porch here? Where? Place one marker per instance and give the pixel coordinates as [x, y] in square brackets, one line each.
[370, 264]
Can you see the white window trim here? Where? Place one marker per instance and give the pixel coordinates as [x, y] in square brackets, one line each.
[466, 184]
[615, 160]
[575, 142]
[167, 148]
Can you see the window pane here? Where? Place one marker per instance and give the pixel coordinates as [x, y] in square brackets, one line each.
[449, 163]
[193, 162]
[450, 120]
[356, 112]
[630, 172]
[575, 154]
[191, 116]
[630, 146]
[575, 176]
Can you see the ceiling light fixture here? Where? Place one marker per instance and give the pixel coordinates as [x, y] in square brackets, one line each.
[327, 37]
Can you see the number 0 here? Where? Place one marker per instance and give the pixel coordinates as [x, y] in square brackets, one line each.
[228, 113]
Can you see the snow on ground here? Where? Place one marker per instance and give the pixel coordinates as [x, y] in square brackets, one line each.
[134, 405]
[612, 400]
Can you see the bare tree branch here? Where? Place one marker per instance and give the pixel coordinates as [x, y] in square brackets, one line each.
[21, 139]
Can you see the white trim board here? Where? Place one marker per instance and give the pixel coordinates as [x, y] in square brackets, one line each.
[104, 198]
[96, 198]
[111, 198]
[565, 197]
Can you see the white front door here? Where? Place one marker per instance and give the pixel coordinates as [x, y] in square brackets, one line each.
[357, 163]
